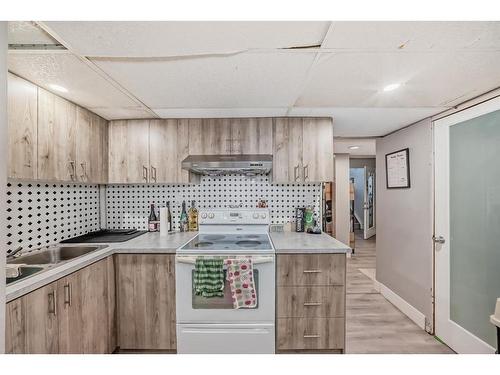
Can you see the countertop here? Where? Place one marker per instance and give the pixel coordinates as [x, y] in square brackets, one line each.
[149, 243]
[305, 243]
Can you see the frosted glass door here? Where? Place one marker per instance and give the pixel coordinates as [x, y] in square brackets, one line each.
[468, 218]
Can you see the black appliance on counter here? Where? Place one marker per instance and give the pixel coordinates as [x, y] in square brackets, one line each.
[106, 235]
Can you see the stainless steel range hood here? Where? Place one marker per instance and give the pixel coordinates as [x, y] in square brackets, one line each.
[214, 165]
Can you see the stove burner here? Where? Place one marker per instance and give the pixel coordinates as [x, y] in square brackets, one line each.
[203, 244]
[248, 243]
[214, 237]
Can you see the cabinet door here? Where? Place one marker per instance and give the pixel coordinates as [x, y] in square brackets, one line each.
[252, 136]
[210, 137]
[22, 112]
[56, 138]
[287, 155]
[146, 301]
[98, 170]
[129, 151]
[317, 154]
[163, 151]
[32, 324]
[83, 310]
[84, 145]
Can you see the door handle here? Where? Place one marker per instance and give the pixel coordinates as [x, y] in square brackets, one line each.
[84, 170]
[309, 304]
[438, 239]
[296, 173]
[311, 271]
[72, 173]
[305, 171]
[67, 294]
[153, 173]
[52, 303]
[145, 173]
[312, 336]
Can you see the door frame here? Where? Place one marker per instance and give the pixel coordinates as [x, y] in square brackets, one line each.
[455, 336]
[367, 231]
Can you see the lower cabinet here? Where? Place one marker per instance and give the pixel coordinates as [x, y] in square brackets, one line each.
[74, 314]
[146, 301]
[310, 303]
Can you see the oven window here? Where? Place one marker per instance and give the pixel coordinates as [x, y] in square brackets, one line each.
[218, 303]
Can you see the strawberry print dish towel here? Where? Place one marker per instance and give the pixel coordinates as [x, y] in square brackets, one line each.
[240, 277]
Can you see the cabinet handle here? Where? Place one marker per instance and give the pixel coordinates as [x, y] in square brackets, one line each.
[312, 271]
[73, 170]
[145, 173]
[84, 170]
[312, 336]
[52, 303]
[67, 294]
[306, 171]
[296, 173]
[308, 304]
[153, 173]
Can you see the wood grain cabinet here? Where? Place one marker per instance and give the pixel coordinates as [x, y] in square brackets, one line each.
[146, 301]
[22, 119]
[302, 149]
[74, 314]
[310, 311]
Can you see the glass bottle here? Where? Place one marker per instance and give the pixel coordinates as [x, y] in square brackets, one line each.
[193, 217]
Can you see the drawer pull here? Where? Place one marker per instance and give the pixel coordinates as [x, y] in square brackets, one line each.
[312, 336]
[312, 271]
[312, 303]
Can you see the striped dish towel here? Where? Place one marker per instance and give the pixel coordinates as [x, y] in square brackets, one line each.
[209, 277]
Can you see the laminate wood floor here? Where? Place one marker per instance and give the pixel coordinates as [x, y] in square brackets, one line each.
[373, 324]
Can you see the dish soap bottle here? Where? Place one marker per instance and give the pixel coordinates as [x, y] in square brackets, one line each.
[193, 217]
[183, 222]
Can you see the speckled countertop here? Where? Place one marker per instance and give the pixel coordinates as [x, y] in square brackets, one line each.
[149, 243]
[305, 243]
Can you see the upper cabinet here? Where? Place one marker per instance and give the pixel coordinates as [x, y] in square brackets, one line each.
[22, 112]
[52, 139]
[302, 150]
[251, 136]
[148, 151]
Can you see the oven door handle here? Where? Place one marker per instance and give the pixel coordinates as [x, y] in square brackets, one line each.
[192, 259]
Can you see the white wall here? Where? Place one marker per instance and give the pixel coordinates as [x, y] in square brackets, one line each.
[342, 204]
[405, 220]
[3, 174]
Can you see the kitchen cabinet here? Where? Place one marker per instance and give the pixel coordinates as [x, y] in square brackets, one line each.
[310, 311]
[22, 120]
[99, 149]
[209, 136]
[56, 138]
[251, 136]
[302, 150]
[70, 315]
[168, 146]
[129, 151]
[146, 301]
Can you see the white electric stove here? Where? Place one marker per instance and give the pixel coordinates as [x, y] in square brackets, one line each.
[211, 325]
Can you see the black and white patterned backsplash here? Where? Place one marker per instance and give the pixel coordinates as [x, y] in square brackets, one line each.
[127, 206]
[40, 214]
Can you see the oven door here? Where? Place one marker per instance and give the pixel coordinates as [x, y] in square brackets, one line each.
[192, 308]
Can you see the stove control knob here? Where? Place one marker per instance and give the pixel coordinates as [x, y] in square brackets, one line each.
[255, 215]
[211, 215]
[263, 216]
[204, 215]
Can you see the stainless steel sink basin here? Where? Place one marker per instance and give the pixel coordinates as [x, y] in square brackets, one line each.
[54, 255]
[24, 271]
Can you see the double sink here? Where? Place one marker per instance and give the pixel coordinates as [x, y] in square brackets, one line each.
[39, 260]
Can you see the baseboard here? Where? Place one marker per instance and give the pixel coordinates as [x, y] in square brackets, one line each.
[407, 309]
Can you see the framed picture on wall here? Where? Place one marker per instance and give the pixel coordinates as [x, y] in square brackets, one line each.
[397, 169]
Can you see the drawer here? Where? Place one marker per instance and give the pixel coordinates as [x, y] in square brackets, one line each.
[311, 269]
[311, 301]
[313, 333]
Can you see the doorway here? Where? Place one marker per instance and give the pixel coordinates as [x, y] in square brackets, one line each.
[362, 173]
[467, 218]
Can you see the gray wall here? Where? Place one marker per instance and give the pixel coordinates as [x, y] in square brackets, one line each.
[3, 174]
[361, 162]
[405, 219]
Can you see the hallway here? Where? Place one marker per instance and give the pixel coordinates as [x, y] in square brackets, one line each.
[373, 324]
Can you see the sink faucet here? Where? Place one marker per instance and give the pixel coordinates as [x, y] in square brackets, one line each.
[14, 252]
